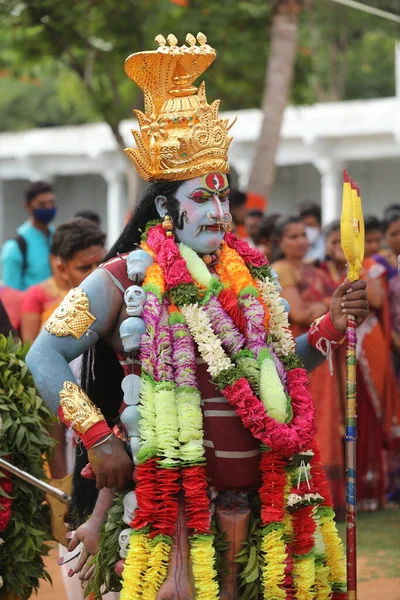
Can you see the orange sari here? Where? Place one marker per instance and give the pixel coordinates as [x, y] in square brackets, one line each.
[314, 285]
[378, 403]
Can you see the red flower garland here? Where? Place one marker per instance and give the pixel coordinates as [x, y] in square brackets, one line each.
[168, 487]
[5, 503]
[146, 486]
[288, 583]
[284, 439]
[229, 303]
[272, 490]
[304, 527]
[197, 502]
[249, 255]
[319, 480]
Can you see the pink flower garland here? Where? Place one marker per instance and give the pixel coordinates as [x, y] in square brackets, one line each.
[168, 257]
[183, 355]
[151, 316]
[253, 311]
[163, 347]
[250, 255]
[285, 439]
[232, 340]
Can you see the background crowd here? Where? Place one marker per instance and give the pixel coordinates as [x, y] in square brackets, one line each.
[41, 264]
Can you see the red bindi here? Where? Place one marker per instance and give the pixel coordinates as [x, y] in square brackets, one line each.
[215, 181]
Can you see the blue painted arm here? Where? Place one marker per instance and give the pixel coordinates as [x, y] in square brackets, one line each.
[49, 357]
[311, 357]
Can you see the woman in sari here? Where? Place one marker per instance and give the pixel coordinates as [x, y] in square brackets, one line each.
[308, 291]
[377, 394]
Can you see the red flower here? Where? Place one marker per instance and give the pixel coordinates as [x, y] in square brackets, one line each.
[319, 480]
[5, 503]
[146, 486]
[273, 482]
[304, 528]
[249, 255]
[229, 303]
[168, 487]
[197, 502]
[288, 583]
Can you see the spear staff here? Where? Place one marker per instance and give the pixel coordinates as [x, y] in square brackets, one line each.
[352, 239]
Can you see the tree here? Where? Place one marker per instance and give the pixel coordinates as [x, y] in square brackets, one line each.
[277, 87]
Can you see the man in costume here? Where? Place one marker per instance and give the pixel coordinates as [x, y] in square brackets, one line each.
[212, 413]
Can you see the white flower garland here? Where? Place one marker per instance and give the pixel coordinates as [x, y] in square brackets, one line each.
[209, 345]
[283, 341]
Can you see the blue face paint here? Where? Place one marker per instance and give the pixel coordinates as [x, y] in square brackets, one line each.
[44, 215]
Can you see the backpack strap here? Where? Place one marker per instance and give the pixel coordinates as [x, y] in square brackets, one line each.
[22, 245]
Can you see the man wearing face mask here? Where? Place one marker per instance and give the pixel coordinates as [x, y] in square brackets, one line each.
[310, 214]
[25, 258]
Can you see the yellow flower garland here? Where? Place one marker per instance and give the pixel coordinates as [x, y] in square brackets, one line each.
[157, 568]
[333, 546]
[274, 550]
[323, 589]
[304, 577]
[135, 566]
[202, 554]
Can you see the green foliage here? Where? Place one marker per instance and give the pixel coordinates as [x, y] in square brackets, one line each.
[345, 54]
[104, 577]
[24, 441]
[184, 294]
[252, 562]
[292, 361]
[61, 65]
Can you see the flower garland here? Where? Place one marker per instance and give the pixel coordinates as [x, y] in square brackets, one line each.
[171, 431]
[240, 328]
[6, 487]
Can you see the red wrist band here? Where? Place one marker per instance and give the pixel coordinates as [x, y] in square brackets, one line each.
[93, 435]
[324, 329]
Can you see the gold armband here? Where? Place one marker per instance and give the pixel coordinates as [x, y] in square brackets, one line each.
[72, 317]
[78, 411]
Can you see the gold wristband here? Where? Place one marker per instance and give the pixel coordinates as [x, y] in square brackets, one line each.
[79, 412]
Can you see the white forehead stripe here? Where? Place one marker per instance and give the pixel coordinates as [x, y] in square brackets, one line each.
[216, 182]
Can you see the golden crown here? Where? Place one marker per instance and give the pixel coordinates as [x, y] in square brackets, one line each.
[180, 134]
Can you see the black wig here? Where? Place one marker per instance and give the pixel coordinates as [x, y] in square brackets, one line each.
[101, 372]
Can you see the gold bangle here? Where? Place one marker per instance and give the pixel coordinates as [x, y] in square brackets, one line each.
[101, 441]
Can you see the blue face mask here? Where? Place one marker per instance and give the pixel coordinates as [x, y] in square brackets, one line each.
[44, 215]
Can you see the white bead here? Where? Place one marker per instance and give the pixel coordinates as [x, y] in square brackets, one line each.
[131, 388]
[129, 418]
[135, 445]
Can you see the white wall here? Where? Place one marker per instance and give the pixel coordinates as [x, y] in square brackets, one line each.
[379, 180]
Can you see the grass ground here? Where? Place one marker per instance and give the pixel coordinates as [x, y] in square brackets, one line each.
[378, 559]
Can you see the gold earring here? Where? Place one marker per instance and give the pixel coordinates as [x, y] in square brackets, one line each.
[167, 225]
